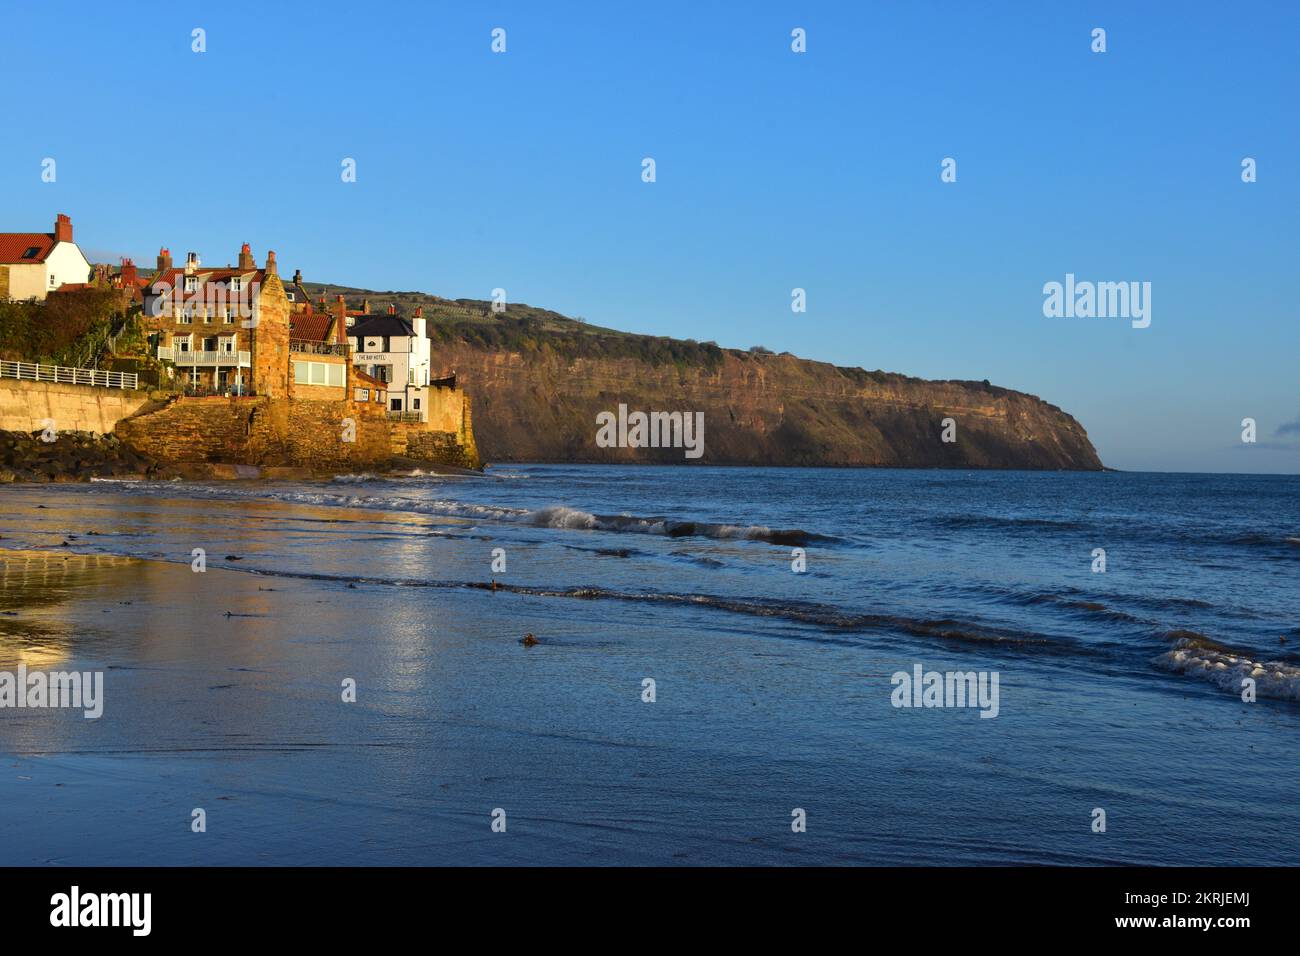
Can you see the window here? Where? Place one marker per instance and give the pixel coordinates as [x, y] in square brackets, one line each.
[237, 284]
[53, 284]
[210, 344]
[230, 316]
[410, 377]
[319, 373]
[395, 405]
[187, 315]
[415, 404]
[191, 283]
[228, 343]
[32, 252]
[182, 343]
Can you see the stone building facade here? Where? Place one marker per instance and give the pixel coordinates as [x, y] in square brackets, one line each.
[291, 396]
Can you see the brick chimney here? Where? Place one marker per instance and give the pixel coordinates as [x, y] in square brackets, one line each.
[270, 263]
[297, 277]
[164, 259]
[246, 261]
[392, 309]
[129, 275]
[339, 329]
[62, 229]
[417, 324]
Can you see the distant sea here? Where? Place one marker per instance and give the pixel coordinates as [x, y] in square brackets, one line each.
[715, 659]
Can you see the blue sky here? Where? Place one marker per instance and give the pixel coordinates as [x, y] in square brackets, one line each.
[774, 170]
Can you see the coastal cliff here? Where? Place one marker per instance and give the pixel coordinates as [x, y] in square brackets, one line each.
[538, 380]
[759, 409]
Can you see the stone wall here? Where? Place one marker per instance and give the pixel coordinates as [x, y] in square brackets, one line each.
[270, 345]
[25, 406]
[274, 433]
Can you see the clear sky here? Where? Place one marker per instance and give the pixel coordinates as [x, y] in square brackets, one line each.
[775, 170]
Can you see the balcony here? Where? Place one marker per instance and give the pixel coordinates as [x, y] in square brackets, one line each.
[309, 347]
[168, 353]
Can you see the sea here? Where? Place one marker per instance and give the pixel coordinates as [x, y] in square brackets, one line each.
[620, 665]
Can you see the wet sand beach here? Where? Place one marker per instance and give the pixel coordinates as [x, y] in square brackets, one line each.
[223, 691]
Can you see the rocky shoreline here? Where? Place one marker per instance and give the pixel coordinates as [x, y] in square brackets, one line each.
[72, 456]
[80, 456]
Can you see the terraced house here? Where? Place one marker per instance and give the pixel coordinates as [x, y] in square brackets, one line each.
[202, 320]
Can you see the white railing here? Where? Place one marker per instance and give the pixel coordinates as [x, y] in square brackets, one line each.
[172, 354]
[68, 376]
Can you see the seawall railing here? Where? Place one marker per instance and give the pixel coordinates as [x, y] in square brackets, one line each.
[30, 371]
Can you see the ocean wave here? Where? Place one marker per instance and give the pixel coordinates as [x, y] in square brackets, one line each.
[560, 516]
[1198, 656]
[995, 521]
[826, 617]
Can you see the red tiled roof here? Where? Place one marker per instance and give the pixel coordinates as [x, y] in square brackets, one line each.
[176, 275]
[311, 326]
[14, 244]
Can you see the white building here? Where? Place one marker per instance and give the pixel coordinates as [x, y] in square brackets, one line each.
[394, 351]
[34, 264]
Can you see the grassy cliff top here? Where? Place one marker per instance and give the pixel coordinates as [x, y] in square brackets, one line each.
[526, 328]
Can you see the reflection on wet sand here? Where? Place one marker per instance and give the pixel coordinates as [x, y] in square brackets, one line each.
[35, 588]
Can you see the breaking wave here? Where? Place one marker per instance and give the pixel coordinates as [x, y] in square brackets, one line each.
[556, 516]
[559, 516]
[1198, 656]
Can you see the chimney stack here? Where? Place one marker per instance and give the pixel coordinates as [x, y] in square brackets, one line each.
[297, 277]
[392, 309]
[128, 272]
[62, 229]
[417, 323]
[191, 262]
[365, 306]
[340, 327]
[164, 259]
[246, 260]
[270, 263]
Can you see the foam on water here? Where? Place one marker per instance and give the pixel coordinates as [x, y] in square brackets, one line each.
[1196, 656]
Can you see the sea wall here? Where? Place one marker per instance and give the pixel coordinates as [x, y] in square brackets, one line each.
[311, 434]
[26, 406]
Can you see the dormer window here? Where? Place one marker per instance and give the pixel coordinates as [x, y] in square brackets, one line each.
[191, 283]
[237, 284]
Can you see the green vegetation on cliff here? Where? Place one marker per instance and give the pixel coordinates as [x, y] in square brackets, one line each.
[62, 330]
